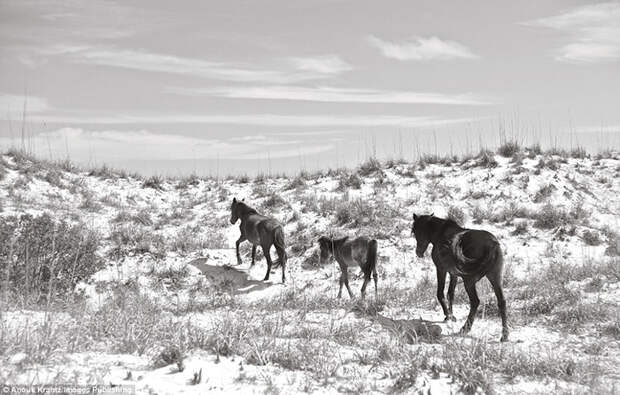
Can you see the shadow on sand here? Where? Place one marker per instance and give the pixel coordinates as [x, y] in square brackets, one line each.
[230, 277]
[412, 330]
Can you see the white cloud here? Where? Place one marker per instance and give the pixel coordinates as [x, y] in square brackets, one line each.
[432, 48]
[156, 62]
[329, 64]
[115, 144]
[109, 145]
[338, 95]
[263, 140]
[12, 106]
[260, 120]
[593, 30]
[296, 151]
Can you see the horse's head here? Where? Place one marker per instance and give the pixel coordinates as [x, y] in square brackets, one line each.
[234, 211]
[325, 249]
[421, 231]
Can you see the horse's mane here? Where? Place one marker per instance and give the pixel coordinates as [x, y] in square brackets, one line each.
[334, 239]
[244, 209]
[441, 226]
[450, 223]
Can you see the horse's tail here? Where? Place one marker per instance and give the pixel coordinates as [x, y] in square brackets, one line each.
[493, 260]
[280, 245]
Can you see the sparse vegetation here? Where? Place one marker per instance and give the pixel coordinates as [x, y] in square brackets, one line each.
[372, 165]
[478, 214]
[154, 182]
[509, 149]
[510, 212]
[169, 291]
[456, 214]
[44, 259]
[130, 239]
[543, 193]
[274, 200]
[549, 217]
[347, 181]
[520, 228]
[486, 159]
[591, 237]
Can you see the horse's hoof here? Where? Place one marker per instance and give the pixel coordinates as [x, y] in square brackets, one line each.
[450, 318]
[504, 338]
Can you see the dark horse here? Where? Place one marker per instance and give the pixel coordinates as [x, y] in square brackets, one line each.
[360, 251]
[467, 253]
[259, 230]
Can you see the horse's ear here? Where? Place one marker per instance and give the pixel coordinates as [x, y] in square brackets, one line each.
[432, 214]
[415, 216]
[234, 200]
[243, 200]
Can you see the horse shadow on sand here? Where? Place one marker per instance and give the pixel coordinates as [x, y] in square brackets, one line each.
[410, 330]
[229, 277]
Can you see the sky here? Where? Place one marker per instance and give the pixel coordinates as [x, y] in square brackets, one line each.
[217, 87]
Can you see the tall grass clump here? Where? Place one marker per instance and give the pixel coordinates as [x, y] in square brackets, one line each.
[130, 239]
[274, 200]
[299, 182]
[486, 159]
[154, 182]
[129, 321]
[104, 172]
[549, 217]
[189, 181]
[544, 192]
[354, 212]
[43, 258]
[346, 181]
[456, 214]
[369, 167]
[509, 148]
[579, 153]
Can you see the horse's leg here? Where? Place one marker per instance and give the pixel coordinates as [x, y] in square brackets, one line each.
[239, 241]
[366, 281]
[451, 288]
[282, 257]
[374, 277]
[341, 284]
[495, 279]
[253, 254]
[441, 283]
[474, 302]
[269, 262]
[346, 281]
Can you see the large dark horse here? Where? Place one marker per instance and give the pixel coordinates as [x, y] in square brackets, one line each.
[467, 253]
[259, 230]
[360, 251]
